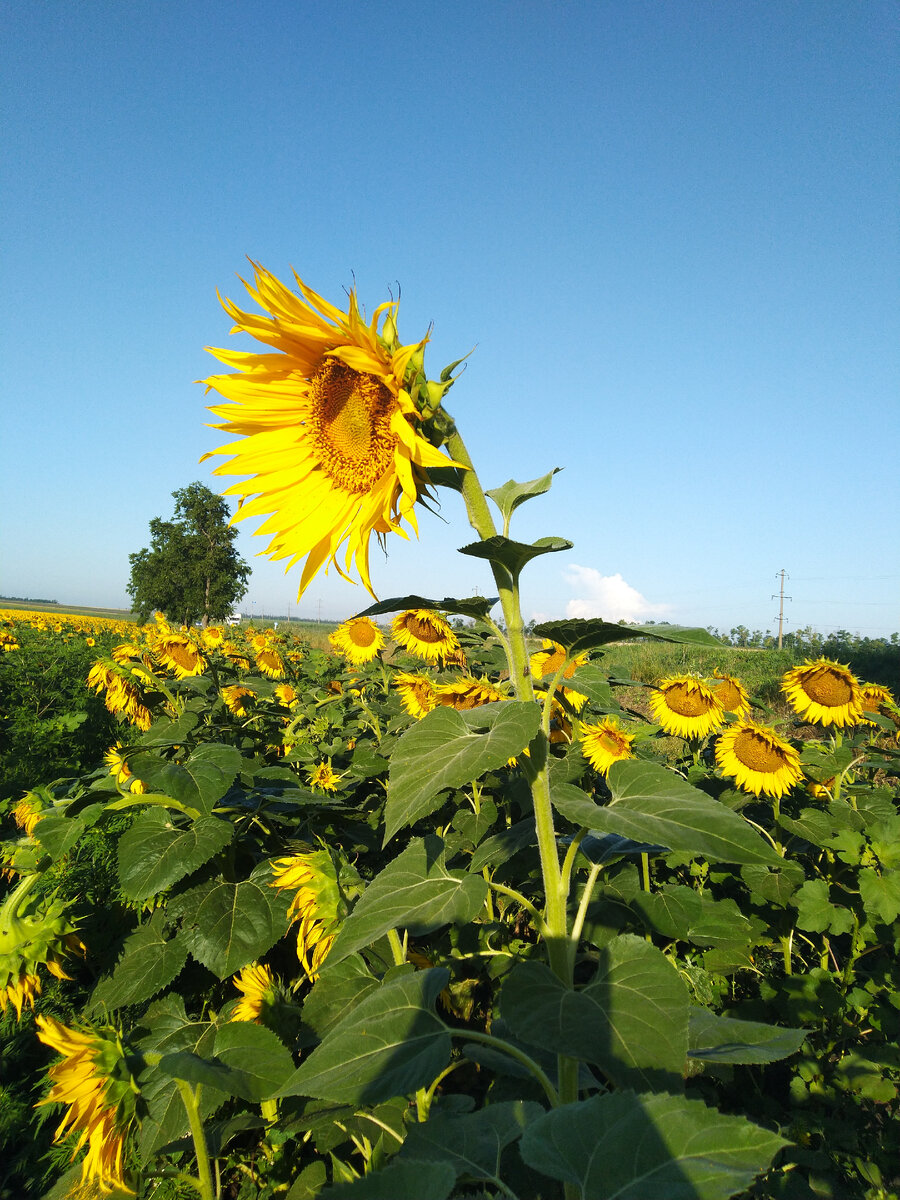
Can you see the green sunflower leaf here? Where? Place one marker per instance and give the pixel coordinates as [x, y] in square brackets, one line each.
[228, 925]
[248, 1061]
[400, 1180]
[514, 555]
[473, 1143]
[476, 606]
[652, 804]
[390, 1045]
[448, 749]
[197, 783]
[620, 1146]
[631, 1019]
[578, 635]
[149, 962]
[510, 495]
[414, 892]
[156, 852]
[726, 1040]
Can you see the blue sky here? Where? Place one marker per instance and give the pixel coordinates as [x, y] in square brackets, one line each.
[668, 228]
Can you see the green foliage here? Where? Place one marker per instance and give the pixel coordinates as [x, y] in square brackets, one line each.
[51, 724]
[192, 569]
[720, 1019]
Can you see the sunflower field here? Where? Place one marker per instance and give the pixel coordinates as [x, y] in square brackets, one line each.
[442, 912]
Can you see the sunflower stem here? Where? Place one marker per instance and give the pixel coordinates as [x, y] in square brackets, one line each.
[190, 1100]
[535, 767]
[397, 948]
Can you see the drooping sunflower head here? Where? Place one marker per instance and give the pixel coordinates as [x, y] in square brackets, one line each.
[270, 662]
[874, 698]
[685, 706]
[468, 692]
[823, 692]
[606, 743]
[551, 657]
[730, 693]
[118, 766]
[123, 693]
[416, 693]
[757, 759]
[330, 434]
[260, 992]
[238, 700]
[323, 884]
[425, 634]
[359, 640]
[27, 812]
[287, 696]
[95, 1080]
[179, 653]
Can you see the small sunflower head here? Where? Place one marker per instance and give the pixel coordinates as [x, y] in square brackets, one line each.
[238, 700]
[823, 692]
[425, 634]
[874, 698]
[551, 656]
[467, 693]
[417, 693]
[685, 706]
[286, 696]
[27, 812]
[323, 777]
[270, 662]
[606, 743]
[118, 766]
[730, 693]
[179, 653]
[757, 759]
[359, 640]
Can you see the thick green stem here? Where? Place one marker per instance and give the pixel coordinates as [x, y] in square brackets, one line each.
[398, 950]
[191, 1104]
[536, 765]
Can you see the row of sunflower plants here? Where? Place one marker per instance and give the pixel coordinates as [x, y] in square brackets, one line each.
[443, 918]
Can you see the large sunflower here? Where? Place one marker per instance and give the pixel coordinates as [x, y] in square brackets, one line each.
[424, 633]
[686, 707]
[824, 692]
[328, 429]
[757, 759]
[359, 640]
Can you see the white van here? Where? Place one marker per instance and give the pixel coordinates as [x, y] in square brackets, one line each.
[234, 618]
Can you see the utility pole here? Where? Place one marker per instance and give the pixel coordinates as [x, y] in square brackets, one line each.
[781, 597]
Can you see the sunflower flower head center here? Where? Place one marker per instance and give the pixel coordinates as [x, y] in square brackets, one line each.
[687, 701]
[362, 633]
[758, 752]
[828, 688]
[424, 630]
[350, 419]
[727, 695]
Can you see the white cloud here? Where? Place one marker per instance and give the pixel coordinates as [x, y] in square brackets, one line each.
[608, 596]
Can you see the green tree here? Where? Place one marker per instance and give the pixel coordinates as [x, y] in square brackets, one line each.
[192, 570]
